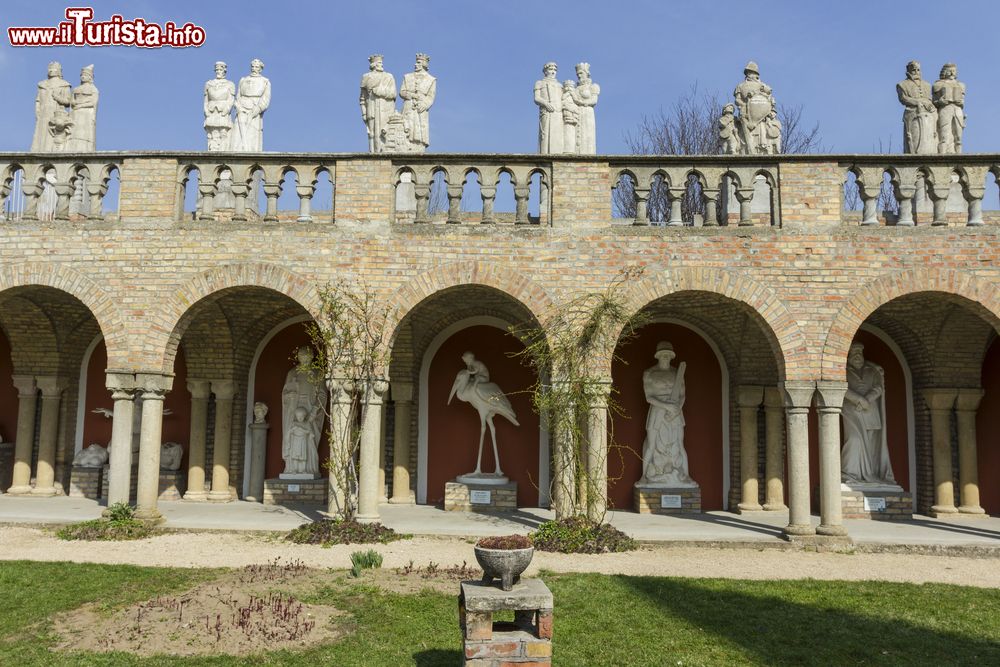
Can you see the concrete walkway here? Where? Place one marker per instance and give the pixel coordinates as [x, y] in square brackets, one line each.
[764, 527]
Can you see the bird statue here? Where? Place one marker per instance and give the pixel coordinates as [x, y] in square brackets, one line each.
[472, 385]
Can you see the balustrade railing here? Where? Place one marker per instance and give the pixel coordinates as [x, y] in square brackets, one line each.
[43, 190]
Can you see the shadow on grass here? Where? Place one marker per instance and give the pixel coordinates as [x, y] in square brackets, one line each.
[438, 657]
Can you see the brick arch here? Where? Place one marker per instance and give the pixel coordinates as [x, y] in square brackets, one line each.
[869, 298]
[97, 300]
[780, 328]
[176, 314]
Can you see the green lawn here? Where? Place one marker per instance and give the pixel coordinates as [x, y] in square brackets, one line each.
[599, 620]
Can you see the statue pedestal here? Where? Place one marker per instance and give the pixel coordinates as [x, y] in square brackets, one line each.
[297, 476]
[172, 483]
[85, 482]
[309, 491]
[667, 500]
[479, 497]
[886, 502]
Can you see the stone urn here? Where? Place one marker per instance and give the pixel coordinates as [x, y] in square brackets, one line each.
[504, 558]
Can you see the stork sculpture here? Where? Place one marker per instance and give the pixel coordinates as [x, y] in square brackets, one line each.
[472, 385]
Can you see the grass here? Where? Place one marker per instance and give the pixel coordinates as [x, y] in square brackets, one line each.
[599, 620]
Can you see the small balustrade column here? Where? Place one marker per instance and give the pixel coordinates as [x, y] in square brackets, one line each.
[905, 195]
[240, 192]
[774, 470]
[454, 204]
[830, 402]
[421, 192]
[222, 440]
[122, 387]
[745, 197]
[402, 398]
[711, 198]
[199, 390]
[489, 195]
[597, 451]
[51, 388]
[272, 191]
[95, 197]
[676, 196]
[641, 206]
[371, 427]
[798, 398]
[153, 388]
[940, 403]
[27, 402]
[305, 193]
[869, 182]
[939, 195]
[206, 211]
[64, 191]
[749, 398]
[968, 468]
[340, 465]
[32, 195]
[521, 193]
[974, 190]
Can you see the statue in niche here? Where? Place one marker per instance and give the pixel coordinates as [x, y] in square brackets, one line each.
[664, 461]
[570, 117]
[418, 92]
[729, 133]
[259, 412]
[757, 114]
[865, 455]
[919, 113]
[472, 385]
[84, 104]
[220, 96]
[378, 102]
[548, 97]
[91, 456]
[54, 95]
[585, 96]
[171, 454]
[949, 97]
[253, 97]
[302, 392]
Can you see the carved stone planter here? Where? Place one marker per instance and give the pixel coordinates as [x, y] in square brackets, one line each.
[504, 564]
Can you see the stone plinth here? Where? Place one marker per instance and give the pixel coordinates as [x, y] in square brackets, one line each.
[295, 492]
[886, 502]
[172, 483]
[86, 482]
[525, 641]
[661, 500]
[459, 497]
[6, 464]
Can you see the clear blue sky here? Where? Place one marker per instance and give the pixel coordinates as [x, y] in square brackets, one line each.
[840, 60]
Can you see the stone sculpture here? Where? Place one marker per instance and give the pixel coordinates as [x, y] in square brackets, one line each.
[948, 94]
[919, 113]
[259, 412]
[54, 95]
[301, 393]
[472, 385]
[418, 92]
[570, 117]
[84, 104]
[171, 454]
[757, 124]
[585, 96]
[253, 96]
[865, 455]
[548, 97]
[91, 456]
[378, 102]
[220, 96]
[729, 132]
[60, 131]
[664, 460]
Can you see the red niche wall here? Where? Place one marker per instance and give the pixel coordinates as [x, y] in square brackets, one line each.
[8, 394]
[276, 359]
[702, 413]
[988, 432]
[453, 430]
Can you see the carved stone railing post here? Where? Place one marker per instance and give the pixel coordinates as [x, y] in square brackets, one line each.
[745, 197]
[676, 196]
[641, 206]
[938, 187]
[905, 190]
[974, 189]
[207, 209]
[521, 204]
[272, 191]
[489, 195]
[32, 193]
[422, 192]
[711, 198]
[240, 192]
[305, 193]
[95, 196]
[869, 181]
[64, 191]
[455, 204]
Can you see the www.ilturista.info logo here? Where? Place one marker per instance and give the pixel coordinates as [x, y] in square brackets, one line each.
[80, 30]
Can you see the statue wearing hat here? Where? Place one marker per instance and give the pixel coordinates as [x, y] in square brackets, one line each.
[585, 96]
[418, 92]
[949, 98]
[55, 95]
[664, 461]
[378, 102]
[548, 97]
[865, 455]
[760, 133]
[220, 96]
[84, 104]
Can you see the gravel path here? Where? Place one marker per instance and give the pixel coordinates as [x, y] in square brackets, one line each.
[237, 550]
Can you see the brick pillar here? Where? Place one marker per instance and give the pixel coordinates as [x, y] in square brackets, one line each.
[122, 387]
[831, 400]
[48, 432]
[774, 473]
[798, 398]
[968, 469]
[222, 442]
[27, 400]
[402, 396]
[597, 452]
[199, 390]
[940, 402]
[368, 461]
[153, 388]
[749, 397]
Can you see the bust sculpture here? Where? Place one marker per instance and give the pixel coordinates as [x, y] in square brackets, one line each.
[585, 96]
[253, 96]
[54, 95]
[171, 454]
[220, 96]
[949, 98]
[418, 92]
[91, 456]
[302, 401]
[919, 113]
[548, 97]
[865, 455]
[378, 102]
[259, 412]
[84, 104]
[757, 124]
[664, 460]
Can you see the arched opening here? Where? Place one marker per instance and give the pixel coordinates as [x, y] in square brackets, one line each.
[8, 412]
[987, 430]
[472, 197]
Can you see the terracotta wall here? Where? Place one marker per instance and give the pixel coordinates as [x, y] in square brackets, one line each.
[988, 432]
[703, 430]
[8, 394]
[453, 430]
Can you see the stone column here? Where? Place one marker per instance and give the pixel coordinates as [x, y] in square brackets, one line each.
[830, 401]
[221, 443]
[597, 452]
[258, 460]
[774, 472]
[341, 446]
[940, 402]
[154, 388]
[402, 396]
[563, 464]
[199, 390]
[749, 397]
[48, 432]
[368, 461]
[798, 398]
[382, 497]
[24, 443]
[122, 387]
[968, 467]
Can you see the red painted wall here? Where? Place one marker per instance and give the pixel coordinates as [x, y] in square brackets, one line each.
[453, 430]
[276, 359]
[8, 394]
[702, 413]
[988, 432]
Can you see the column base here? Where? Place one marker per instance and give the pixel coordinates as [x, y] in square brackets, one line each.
[972, 511]
[44, 493]
[220, 496]
[831, 531]
[775, 507]
[409, 499]
[745, 508]
[367, 518]
[196, 496]
[152, 516]
[19, 491]
[939, 511]
[793, 530]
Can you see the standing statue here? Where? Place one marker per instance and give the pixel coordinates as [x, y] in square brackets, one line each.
[865, 455]
[585, 95]
[949, 97]
[253, 96]
[729, 131]
[472, 384]
[54, 95]
[757, 114]
[302, 393]
[664, 461]
[84, 133]
[570, 117]
[919, 114]
[378, 102]
[220, 96]
[548, 97]
[418, 91]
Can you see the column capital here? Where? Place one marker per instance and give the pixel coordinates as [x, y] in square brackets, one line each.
[374, 391]
[401, 391]
[341, 390]
[798, 393]
[199, 389]
[749, 395]
[224, 390]
[51, 386]
[830, 395]
[968, 400]
[119, 380]
[25, 384]
[153, 385]
[940, 399]
[773, 399]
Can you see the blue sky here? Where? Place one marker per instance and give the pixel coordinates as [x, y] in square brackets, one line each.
[839, 60]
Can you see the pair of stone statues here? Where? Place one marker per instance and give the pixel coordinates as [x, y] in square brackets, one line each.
[391, 131]
[65, 117]
[756, 129]
[566, 120]
[245, 132]
[933, 116]
[303, 401]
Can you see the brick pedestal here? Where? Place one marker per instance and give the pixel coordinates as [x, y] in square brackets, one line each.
[460, 497]
[173, 483]
[6, 464]
[526, 641]
[650, 500]
[86, 482]
[311, 492]
[887, 503]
